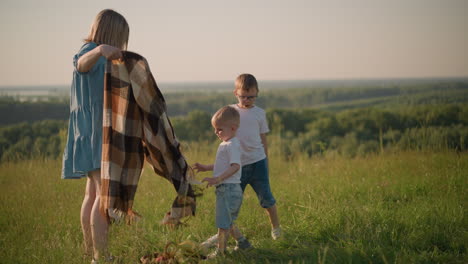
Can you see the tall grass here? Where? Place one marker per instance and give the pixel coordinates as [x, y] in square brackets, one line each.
[405, 207]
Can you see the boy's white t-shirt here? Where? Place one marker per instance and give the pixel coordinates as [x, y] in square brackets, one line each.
[229, 152]
[253, 122]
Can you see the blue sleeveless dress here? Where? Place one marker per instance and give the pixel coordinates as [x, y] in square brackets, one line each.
[84, 144]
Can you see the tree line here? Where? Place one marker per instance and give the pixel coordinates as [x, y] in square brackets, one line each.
[350, 132]
[387, 96]
[44, 138]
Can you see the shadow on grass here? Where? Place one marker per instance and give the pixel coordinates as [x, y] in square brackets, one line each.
[301, 249]
[315, 254]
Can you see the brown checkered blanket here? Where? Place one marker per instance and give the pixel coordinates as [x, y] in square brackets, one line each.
[136, 127]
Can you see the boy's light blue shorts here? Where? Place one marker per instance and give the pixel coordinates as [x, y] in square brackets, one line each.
[256, 174]
[228, 203]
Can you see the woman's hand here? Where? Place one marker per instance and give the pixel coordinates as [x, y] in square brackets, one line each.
[110, 52]
[88, 60]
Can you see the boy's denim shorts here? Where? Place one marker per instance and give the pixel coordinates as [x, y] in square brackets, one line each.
[228, 203]
[256, 174]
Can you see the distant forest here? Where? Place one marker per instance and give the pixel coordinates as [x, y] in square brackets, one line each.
[324, 98]
[346, 121]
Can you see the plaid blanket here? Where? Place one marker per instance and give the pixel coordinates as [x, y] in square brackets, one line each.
[136, 127]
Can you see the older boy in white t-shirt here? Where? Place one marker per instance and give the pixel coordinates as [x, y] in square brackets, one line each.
[227, 178]
[252, 136]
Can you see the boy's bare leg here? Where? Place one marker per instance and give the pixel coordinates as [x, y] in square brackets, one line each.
[85, 216]
[99, 224]
[235, 232]
[273, 215]
[223, 235]
[241, 242]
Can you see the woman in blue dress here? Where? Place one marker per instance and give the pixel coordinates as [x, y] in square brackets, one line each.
[82, 156]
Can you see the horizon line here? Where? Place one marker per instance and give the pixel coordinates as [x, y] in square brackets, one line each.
[276, 80]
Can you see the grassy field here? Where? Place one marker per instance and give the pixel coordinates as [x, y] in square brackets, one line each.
[407, 207]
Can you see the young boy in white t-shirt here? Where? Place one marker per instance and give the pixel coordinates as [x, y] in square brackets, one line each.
[252, 137]
[227, 178]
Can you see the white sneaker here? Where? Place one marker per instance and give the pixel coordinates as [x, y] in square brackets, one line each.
[276, 233]
[216, 253]
[107, 259]
[210, 242]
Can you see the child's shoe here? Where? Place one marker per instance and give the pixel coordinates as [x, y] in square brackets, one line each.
[108, 259]
[276, 233]
[217, 253]
[243, 244]
[210, 242]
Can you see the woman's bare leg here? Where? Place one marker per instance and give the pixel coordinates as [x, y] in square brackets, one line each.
[86, 206]
[99, 224]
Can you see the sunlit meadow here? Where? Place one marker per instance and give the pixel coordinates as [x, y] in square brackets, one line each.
[404, 207]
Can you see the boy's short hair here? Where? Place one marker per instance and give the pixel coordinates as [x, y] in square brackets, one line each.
[245, 82]
[226, 114]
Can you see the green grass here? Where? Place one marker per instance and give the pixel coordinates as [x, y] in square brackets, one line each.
[407, 207]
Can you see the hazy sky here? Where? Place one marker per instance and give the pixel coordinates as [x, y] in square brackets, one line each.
[201, 40]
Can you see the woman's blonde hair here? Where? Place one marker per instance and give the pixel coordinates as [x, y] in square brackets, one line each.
[111, 28]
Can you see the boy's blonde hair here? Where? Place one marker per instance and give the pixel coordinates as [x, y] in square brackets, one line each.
[226, 114]
[111, 28]
[245, 82]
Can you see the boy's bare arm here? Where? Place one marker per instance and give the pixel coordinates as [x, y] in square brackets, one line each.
[226, 174]
[263, 137]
